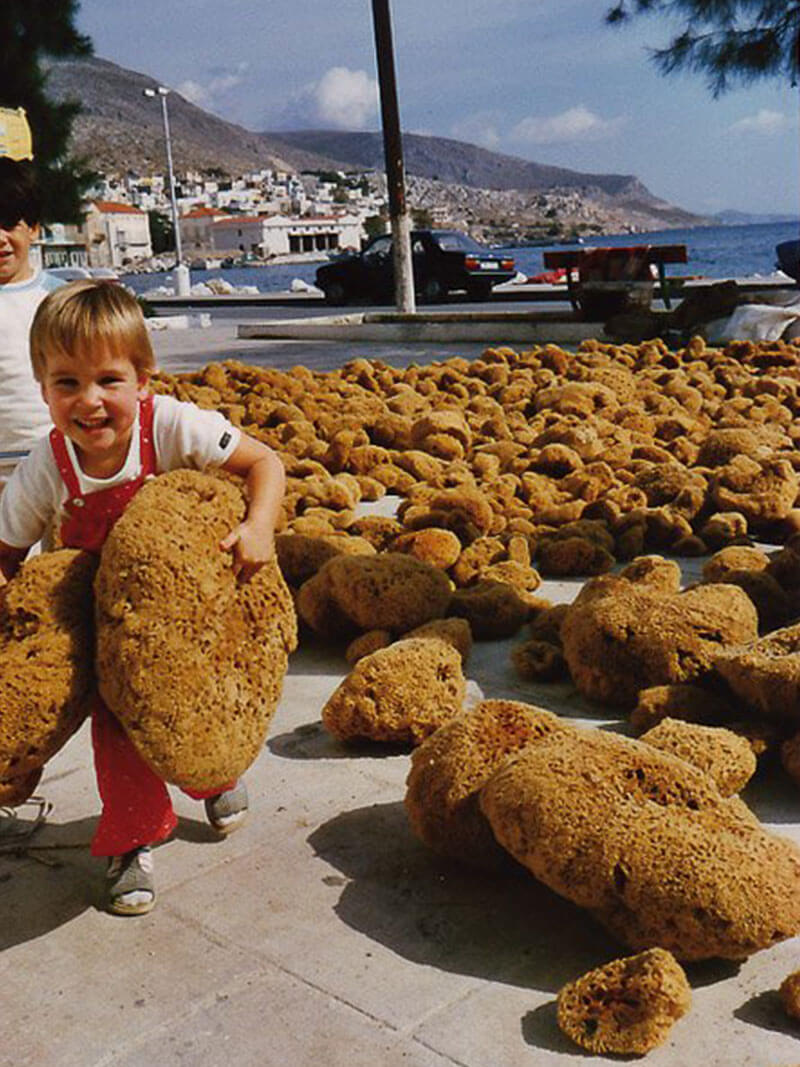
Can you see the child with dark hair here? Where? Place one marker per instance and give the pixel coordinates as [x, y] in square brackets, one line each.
[23, 414]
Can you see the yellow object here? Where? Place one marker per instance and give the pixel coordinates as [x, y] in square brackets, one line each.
[15, 133]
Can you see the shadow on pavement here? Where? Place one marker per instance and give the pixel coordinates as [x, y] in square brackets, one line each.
[506, 928]
[765, 1010]
[540, 1030]
[48, 881]
[311, 741]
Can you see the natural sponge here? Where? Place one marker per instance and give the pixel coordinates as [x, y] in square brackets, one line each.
[790, 994]
[398, 694]
[449, 769]
[647, 844]
[390, 591]
[724, 755]
[627, 1006]
[619, 637]
[190, 660]
[765, 674]
[46, 664]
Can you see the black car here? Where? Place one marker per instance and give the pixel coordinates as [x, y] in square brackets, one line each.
[444, 260]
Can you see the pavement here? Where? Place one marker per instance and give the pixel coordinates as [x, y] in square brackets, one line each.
[323, 931]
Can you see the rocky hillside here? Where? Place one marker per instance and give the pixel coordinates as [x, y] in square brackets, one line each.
[121, 130]
[443, 159]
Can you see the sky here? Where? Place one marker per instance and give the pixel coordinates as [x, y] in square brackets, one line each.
[546, 80]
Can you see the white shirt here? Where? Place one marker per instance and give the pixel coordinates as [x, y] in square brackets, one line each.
[23, 413]
[184, 436]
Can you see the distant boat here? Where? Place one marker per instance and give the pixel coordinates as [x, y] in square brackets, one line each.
[788, 253]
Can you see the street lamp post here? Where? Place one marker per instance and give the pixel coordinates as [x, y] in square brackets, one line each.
[181, 271]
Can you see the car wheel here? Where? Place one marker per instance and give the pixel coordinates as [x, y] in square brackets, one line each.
[433, 292]
[479, 290]
[335, 294]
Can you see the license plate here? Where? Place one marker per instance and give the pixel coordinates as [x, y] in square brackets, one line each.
[490, 266]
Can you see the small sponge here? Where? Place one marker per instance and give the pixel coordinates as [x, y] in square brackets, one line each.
[628, 1006]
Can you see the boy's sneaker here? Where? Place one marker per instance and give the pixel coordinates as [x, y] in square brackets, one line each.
[227, 811]
[131, 890]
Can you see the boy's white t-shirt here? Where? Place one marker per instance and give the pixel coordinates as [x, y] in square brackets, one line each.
[23, 413]
[184, 436]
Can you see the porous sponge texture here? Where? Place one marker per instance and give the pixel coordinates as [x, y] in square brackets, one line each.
[727, 757]
[765, 674]
[620, 638]
[627, 1006]
[647, 843]
[190, 660]
[449, 769]
[46, 664]
[398, 694]
[390, 591]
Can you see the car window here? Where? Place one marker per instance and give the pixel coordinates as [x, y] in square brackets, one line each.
[382, 246]
[452, 241]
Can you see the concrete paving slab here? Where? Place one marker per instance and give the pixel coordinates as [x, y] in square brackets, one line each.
[324, 931]
[275, 1022]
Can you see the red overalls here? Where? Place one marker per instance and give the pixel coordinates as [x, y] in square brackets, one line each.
[136, 805]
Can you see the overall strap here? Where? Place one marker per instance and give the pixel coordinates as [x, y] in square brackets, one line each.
[64, 464]
[147, 447]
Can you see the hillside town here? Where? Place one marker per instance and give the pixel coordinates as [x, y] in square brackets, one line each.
[263, 216]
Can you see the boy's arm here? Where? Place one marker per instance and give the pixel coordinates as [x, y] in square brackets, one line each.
[10, 561]
[253, 540]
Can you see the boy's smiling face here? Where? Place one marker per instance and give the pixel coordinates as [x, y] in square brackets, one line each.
[15, 243]
[93, 400]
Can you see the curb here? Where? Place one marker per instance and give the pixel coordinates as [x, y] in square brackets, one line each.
[487, 326]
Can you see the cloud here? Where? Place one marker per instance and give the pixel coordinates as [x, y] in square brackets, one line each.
[342, 98]
[218, 85]
[574, 124]
[479, 128]
[764, 121]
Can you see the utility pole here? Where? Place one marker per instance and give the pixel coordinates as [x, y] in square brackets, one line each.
[393, 153]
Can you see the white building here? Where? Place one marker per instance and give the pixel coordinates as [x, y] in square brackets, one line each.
[196, 228]
[278, 235]
[61, 245]
[116, 234]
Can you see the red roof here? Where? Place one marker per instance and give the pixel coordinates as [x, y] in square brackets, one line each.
[203, 212]
[110, 207]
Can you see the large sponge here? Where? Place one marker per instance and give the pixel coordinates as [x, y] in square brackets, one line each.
[449, 769]
[765, 674]
[647, 843]
[190, 660]
[399, 694]
[620, 638]
[390, 591]
[46, 664]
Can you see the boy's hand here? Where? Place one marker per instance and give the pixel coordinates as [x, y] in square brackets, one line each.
[252, 547]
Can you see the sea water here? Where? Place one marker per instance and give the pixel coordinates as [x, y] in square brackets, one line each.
[713, 252]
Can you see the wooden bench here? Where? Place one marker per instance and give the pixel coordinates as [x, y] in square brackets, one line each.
[611, 269]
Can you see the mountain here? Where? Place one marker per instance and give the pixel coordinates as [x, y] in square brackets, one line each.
[446, 160]
[120, 130]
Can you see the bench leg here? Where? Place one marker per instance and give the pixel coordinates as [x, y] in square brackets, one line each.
[662, 278]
